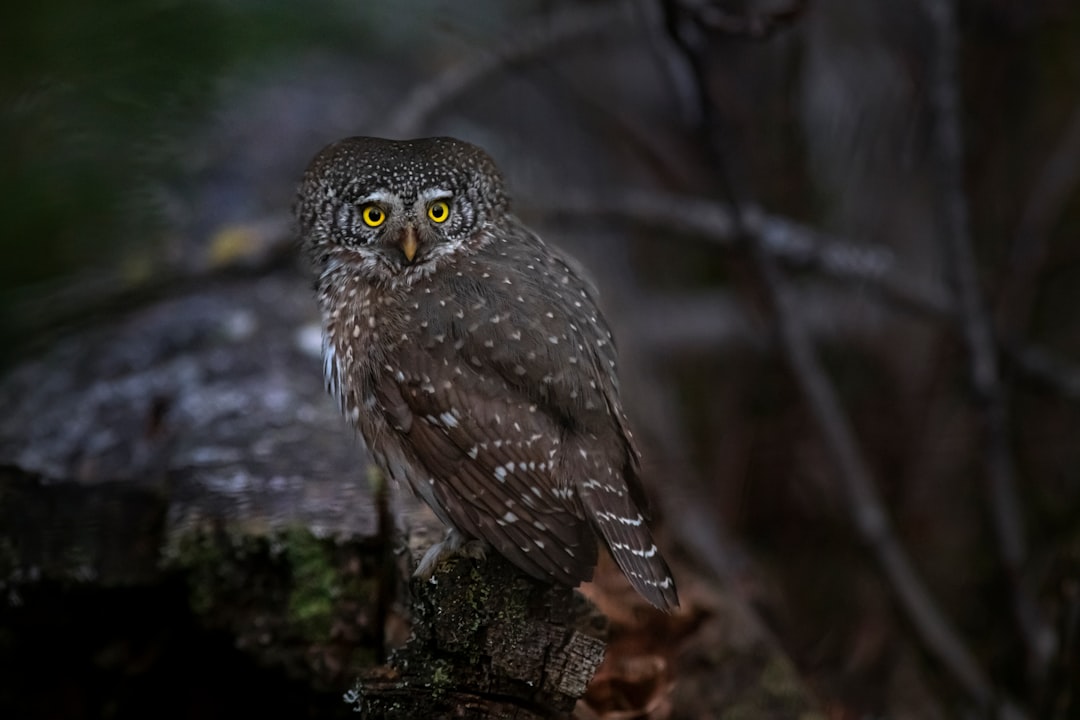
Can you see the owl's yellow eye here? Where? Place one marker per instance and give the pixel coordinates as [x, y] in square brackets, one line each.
[438, 211]
[373, 216]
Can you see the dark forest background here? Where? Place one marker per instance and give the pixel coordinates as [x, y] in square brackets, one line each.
[838, 242]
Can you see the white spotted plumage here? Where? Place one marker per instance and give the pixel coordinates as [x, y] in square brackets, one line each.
[474, 360]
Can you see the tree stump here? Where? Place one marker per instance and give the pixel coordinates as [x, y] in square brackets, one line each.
[487, 642]
[185, 518]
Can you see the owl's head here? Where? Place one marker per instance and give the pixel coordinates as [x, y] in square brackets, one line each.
[391, 209]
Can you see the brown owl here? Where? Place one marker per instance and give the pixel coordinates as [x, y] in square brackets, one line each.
[474, 360]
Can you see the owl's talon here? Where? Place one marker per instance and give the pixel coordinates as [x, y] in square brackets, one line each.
[474, 550]
[453, 544]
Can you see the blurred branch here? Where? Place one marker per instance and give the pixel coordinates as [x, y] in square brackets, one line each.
[689, 23]
[990, 399]
[547, 32]
[712, 319]
[866, 505]
[867, 509]
[543, 34]
[1053, 188]
[872, 267]
[756, 26]
[707, 319]
[1041, 366]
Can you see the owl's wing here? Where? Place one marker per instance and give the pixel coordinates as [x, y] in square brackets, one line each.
[562, 354]
[490, 456]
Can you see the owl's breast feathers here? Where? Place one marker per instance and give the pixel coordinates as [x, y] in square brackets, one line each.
[496, 376]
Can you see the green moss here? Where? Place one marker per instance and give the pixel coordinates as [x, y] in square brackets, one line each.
[316, 583]
[779, 679]
[477, 594]
[513, 615]
[287, 586]
[442, 678]
[202, 556]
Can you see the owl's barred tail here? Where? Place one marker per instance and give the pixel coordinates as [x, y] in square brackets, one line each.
[622, 525]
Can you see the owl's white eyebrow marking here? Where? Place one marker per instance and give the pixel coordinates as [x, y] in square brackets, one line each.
[379, 196]
[435, 194]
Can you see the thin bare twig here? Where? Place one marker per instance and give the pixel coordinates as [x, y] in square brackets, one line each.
[869, 268]
[1037, 364]
[866, 505]
[872, 267]
[990, 399]
[543, 34]
[1055, 185]
[712, 320]
[794, 243]
[755, 26]
[867, 509]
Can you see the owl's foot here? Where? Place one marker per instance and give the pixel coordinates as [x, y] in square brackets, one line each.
[453, 544]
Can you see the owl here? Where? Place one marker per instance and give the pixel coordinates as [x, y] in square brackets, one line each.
[474, 361]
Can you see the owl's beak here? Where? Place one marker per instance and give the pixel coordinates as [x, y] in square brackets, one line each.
[409, 243]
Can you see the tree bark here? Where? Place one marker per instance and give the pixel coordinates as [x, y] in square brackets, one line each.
[487, 642]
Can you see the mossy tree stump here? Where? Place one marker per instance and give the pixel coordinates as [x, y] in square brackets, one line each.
[487, 642]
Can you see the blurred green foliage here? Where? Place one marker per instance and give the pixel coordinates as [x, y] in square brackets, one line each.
[97, 105]
[94, 97]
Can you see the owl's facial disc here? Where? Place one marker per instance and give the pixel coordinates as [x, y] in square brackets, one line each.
[360, 196]
[423, 232]
[394, 228]
[403, 231]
